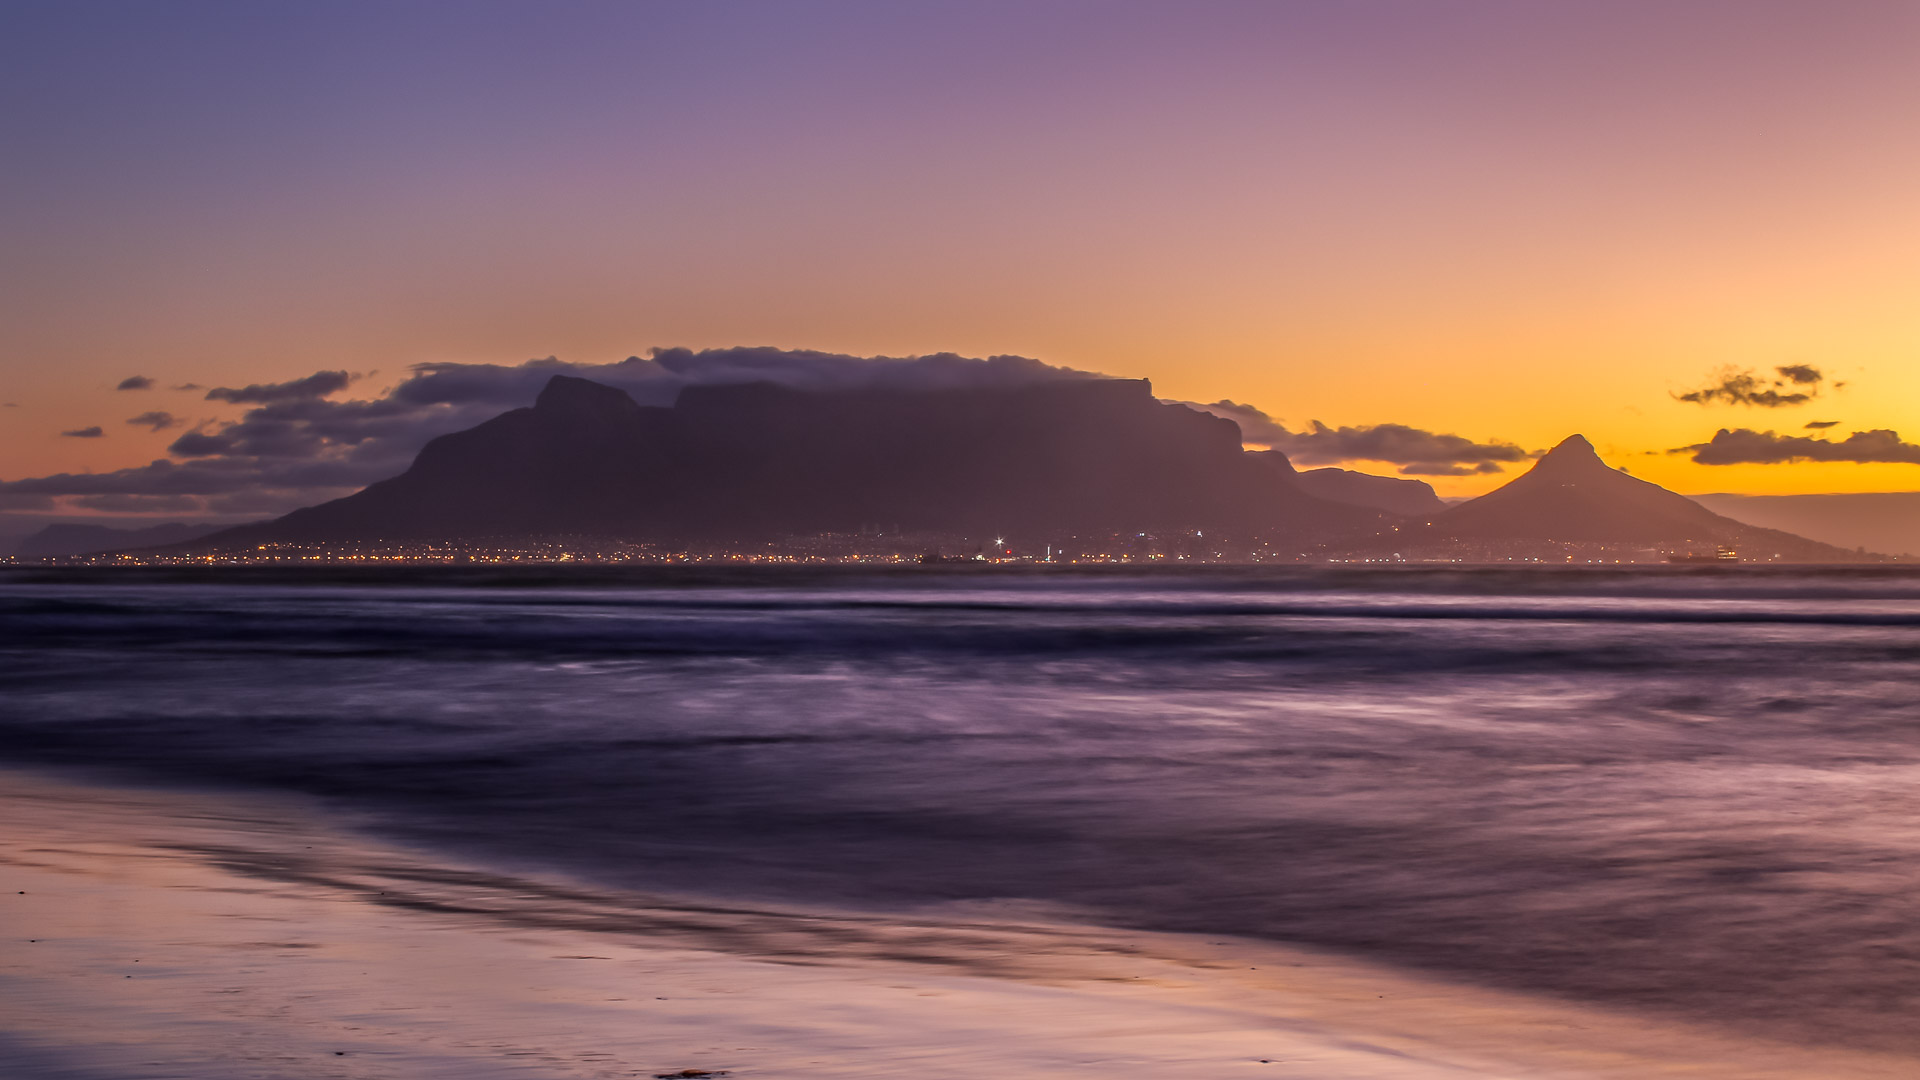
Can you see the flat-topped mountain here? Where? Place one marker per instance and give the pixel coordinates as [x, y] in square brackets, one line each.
[1571, 496]
[746, 462]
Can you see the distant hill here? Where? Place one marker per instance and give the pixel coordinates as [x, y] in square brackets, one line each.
[1395, 495]
[1877, 521]
[1571, 496]
[742, 463]
[1405, 498]
[63, 541]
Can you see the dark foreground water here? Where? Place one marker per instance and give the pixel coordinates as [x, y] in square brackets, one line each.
[1694, 791]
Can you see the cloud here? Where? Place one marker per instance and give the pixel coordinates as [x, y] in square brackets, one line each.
[93, 432]
[1255, 426]
[189, 386]
[156, 420]
[202, 443]
[135, 382]
[140, 504]
[1820, 425]
[317, 385]
[214, 477]
[1733, 386]
[1449, 470]
[810, 370]
[255, 503]
[1420, 453]
[227, 486]
[1744, 446]
[296, 447]
[657, 378]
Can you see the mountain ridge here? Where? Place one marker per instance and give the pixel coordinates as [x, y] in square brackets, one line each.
[746, 465]
[750, 462]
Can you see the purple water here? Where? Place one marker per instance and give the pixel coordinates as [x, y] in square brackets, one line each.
[1692, 791]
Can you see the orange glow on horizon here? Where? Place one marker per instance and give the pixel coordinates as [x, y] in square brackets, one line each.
[1464, 224]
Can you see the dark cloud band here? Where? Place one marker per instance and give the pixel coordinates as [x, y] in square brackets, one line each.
[155, 420]
[317, 385]
[296, 447]
[1736, 387]
[1417, 452]
[1744, 446]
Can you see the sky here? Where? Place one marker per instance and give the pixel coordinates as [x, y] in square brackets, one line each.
[1367, 226]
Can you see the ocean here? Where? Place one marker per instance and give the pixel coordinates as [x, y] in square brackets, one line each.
[1692, 793]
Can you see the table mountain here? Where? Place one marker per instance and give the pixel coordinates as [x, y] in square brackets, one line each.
[751, 462]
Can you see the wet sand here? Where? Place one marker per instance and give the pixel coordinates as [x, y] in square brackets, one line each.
[154, 934]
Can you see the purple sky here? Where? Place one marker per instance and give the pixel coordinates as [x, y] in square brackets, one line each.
[1505, 220]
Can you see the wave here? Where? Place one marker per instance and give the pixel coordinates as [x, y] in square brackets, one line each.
[1683, 791]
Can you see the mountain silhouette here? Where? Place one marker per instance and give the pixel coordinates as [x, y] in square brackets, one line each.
[751, 462]
[1406, 498]
[1571, 496]
[68, 539]
[1866, 520]
[1395, 495]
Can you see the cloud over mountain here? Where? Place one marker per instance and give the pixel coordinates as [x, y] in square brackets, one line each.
[297, 445]
[1791, 384]
[657, 378]
[1417, 452]
[1744, 446]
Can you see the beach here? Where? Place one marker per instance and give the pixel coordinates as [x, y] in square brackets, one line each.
[1286, 823]
[155, 934]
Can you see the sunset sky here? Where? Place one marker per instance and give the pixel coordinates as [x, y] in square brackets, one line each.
[1507, 221]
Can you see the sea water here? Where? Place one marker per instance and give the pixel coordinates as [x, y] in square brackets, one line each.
[1689, 791]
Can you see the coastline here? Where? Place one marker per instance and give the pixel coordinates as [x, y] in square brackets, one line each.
[164, 933]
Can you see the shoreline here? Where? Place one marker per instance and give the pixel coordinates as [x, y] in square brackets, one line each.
[162, 933]
[722, 574]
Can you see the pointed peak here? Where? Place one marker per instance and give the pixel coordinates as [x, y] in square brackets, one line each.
[1574, 446]
[1574, 457]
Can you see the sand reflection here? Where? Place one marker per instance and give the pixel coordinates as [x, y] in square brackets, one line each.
[161, 934]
